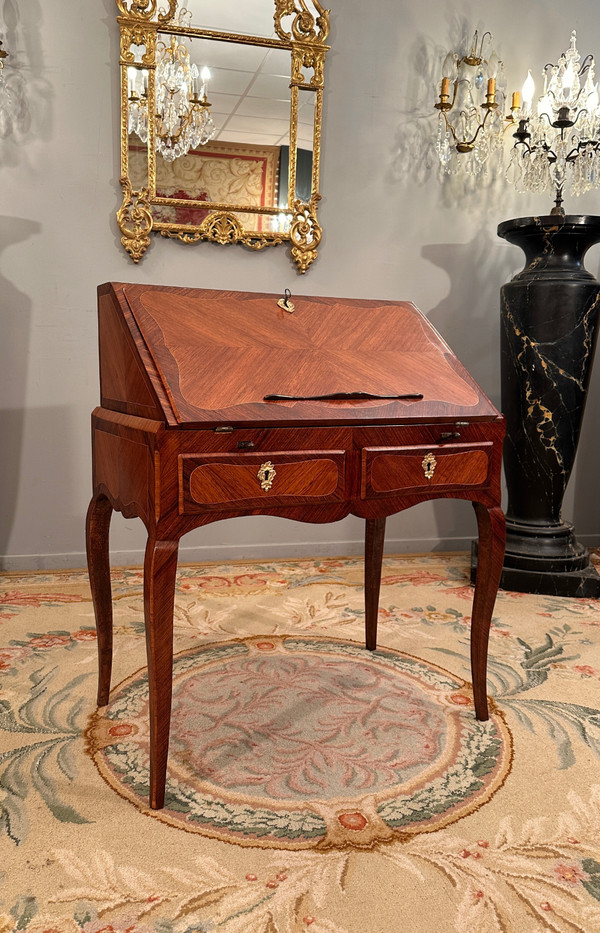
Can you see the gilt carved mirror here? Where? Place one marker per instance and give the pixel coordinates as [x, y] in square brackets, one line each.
[221, 108]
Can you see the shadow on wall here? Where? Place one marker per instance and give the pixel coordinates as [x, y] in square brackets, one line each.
[469, 315]
[15, 323]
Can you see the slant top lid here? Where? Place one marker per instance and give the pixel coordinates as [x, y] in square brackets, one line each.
[217, 354]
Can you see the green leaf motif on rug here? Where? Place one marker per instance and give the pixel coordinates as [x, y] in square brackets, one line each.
[592, 882]
[36, 765]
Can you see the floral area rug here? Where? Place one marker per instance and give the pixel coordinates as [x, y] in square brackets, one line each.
[312, 785]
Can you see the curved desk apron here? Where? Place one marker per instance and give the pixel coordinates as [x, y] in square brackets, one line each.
[208, 411]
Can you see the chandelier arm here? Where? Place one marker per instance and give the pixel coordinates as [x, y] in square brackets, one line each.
[580, 114]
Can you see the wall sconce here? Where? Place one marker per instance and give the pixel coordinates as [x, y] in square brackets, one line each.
[561, 133]
[471, 108]
[6, 102]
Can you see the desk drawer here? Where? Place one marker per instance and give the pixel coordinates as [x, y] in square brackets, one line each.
[251, 480]
[389, 471]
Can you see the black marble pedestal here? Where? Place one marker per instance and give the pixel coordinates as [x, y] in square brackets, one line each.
[549, 317]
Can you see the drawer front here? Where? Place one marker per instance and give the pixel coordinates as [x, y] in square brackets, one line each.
[388, 471]
[252, 480]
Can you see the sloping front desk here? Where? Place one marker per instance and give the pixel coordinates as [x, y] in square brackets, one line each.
[184, 437]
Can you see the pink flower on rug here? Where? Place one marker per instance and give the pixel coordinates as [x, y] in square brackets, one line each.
[417, 578]
[354, 821]
[35, 600]
[573, 874]
[121, 729]
[460, 699]
[49, 641]
[586, 670]
[14, 653]
[85, 635]
[212, 583]
[251, 579]
[463, 592]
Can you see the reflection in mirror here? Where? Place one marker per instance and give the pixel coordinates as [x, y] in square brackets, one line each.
[209, 125]
[251, 18]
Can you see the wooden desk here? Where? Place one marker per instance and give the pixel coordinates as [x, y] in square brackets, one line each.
[185, 437]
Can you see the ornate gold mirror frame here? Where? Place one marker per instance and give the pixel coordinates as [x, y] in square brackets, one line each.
[300, 27]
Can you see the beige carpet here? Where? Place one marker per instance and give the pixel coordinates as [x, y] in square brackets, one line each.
[313, 786]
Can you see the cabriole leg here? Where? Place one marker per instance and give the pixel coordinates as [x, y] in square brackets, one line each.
[160, 568]
[492, 536]
[96, 534]
[374, 538]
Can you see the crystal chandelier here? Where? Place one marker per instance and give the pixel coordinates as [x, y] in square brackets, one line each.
[559, 141]
[182, 111]
[471, 108]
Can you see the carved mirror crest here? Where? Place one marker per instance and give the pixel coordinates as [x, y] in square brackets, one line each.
[221, 129]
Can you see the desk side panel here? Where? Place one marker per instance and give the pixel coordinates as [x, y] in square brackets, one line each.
[125, 460]
[125, 383]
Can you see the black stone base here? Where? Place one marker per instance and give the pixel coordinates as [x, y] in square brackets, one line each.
[583, 583]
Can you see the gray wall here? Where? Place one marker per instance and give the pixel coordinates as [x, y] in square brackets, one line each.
[392, 230]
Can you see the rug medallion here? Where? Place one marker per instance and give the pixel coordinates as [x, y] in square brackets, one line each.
[306, 742]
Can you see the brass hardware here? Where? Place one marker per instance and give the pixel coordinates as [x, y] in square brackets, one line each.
[462, 424]
[224, 429]
[245, 445]
[285, 302]
[301, 30]
[446, 435]
[266, 475]
[429, 464]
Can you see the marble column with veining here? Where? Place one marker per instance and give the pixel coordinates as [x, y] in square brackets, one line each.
[549, 319]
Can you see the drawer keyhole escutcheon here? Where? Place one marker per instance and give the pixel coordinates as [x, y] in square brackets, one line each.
[266, 475]
[429, 464]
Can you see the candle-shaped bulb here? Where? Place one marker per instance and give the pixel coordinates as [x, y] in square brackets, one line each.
[131, 80]
[527, 91]
[449, 66]
[493, 65]
[567, 82]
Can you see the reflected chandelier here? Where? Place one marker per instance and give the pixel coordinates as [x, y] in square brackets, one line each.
[182, 117]
[561, 137]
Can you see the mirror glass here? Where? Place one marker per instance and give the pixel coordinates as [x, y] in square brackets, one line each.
[252, 17]
[230, 153]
